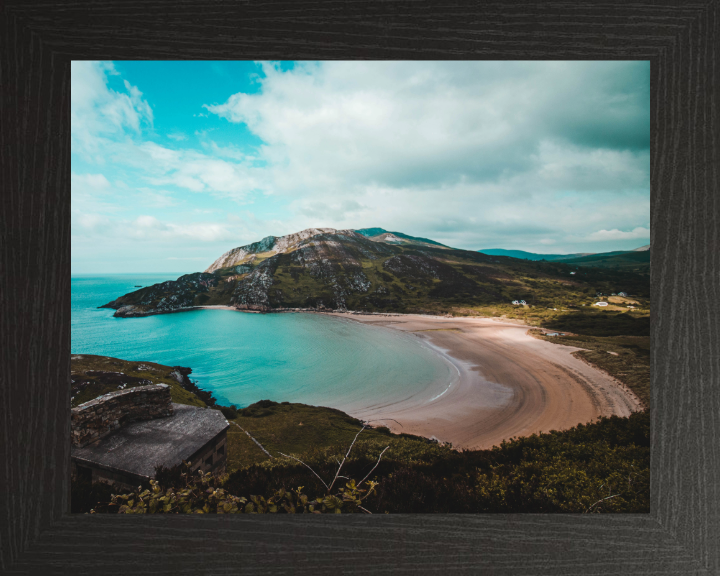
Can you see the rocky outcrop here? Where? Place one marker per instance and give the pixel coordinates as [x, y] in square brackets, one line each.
[181, 375]
[253, 307]
[169, 296]
[252, 290]
[323, 268]
[412, 266]
[269, 244]
[99, 417]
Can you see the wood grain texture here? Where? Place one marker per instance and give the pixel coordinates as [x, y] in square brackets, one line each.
[38, 40]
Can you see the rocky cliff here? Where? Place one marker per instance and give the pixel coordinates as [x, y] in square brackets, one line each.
[323, 268]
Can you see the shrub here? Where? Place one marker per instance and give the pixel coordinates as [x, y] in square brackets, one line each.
[204, 494]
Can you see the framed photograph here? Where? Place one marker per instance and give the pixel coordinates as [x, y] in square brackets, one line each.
[438, 288]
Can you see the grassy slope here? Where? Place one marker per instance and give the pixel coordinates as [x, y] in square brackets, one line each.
[569, 471]
[80, 364]
[479, 283]
[638, 261]
[468, 283]
[625, 358]
[561, 471]
[295, 429]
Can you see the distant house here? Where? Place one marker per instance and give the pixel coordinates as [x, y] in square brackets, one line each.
[601, 303]
[552, 333]
[516, 302]
[572, 273]
[120, 438]
[623, 294]
[523, 302]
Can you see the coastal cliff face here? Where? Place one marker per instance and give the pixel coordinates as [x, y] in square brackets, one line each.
[367, 270]
[269, 244]
[170, 296]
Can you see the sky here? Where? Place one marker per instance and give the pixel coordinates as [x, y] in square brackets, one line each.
[175, 163]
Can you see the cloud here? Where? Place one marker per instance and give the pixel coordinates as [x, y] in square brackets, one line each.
[429, 145]
[98, 112]
[409, 123]
[95, 182]
[147, 227]
[151, 227]
[92, 194]
[615, 234]
[90, 221]
[526, 155]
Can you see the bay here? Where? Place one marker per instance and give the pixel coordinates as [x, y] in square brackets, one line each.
[242, 358]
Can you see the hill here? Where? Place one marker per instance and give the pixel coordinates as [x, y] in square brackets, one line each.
[603, 466]
[381, 235]
[530, 255]
[92, 376]
[559, 471]
[637, 260]
[322, 269]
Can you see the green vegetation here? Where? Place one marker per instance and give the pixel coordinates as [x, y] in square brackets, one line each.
[634, 261]
[357, 273]
[296, 429]
[204, 494]
[625, 358]
[598, 467]
[93, 376]
[560, 471]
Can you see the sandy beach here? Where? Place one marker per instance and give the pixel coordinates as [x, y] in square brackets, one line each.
[507, 384]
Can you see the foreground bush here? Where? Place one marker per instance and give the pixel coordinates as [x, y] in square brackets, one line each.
[598, 467]
[204, 494]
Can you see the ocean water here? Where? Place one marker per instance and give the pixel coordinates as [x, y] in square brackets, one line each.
[242, 358]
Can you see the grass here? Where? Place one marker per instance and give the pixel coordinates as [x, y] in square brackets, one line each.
[294, 429]
[599, 467]
[626, 358]
[98, 385]
[470, 284]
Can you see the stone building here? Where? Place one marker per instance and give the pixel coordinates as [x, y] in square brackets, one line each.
[121, 437]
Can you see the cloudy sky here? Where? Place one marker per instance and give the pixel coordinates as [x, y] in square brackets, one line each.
[174, 163]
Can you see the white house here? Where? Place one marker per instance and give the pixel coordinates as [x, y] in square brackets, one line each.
[600, 303]
[623, 294]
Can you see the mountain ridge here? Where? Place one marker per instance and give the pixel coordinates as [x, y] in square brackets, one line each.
[324, 268]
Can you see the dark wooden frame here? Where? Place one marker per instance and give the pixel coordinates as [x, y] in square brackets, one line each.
[681, 535]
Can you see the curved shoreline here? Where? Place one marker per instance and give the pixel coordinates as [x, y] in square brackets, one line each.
[509, 384]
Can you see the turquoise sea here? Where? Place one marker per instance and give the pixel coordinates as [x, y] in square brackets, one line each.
[242, 358]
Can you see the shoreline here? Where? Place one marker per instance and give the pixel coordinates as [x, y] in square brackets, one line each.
[509, 384]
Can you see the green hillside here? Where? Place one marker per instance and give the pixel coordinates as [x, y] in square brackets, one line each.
[603, 466]
[348, 271]
[378, 233]
[92, 376]
[635, 261]
[529, 255]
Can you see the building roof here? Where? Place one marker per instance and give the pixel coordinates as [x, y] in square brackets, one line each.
[140, 446]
